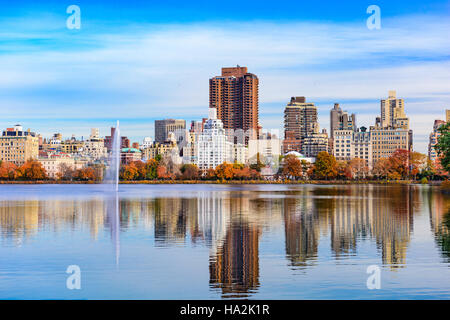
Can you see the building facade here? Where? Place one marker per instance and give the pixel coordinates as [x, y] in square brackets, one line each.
[213, 147]
[300, 121]
[164, 127]
[17, 146]
[393, 112]
[386, 140]
[434, 136]
[350, 144]
[94, 147]
[235, 96]
[341, 120]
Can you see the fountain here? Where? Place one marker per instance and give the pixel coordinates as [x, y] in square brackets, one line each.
[112, 172]
[112, 196]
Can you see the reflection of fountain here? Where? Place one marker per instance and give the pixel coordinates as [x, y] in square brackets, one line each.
[112, 178]
[114, 222]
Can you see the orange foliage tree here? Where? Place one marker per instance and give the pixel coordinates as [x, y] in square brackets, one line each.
[224, 171]
[32, 170]
[292, 167]
[8, 171]
[85, 174]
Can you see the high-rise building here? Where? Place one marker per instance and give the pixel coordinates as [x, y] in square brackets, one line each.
[213, 147]
[124, 141]
[434, 136]
[235, 96]
[94, 147]
[341, 120]
[350, 144]
[18, 146]
[164, 127]
[315, 143]
[300, 121]
[387, 140]
[393, 112]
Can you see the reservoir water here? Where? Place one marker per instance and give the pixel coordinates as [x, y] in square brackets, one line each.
[224, 241]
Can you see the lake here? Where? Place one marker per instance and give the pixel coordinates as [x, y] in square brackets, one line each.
[224, 241]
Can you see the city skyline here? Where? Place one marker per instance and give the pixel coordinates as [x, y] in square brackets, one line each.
[136, 68]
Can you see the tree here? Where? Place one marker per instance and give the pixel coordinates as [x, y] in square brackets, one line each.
[325, 166]
[8, 171]
[344, 170]
[443, 146]
[224, 171]
[65, 172]
[189, 172]
[358, 168]
[151, 167]
[399, 164]
[32, 170]
[129, 172]
[141, 170]
[418, 162]
[381, 168]
[85, 174]
[292, 167]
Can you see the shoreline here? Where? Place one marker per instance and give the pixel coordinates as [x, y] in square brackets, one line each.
[288, 182]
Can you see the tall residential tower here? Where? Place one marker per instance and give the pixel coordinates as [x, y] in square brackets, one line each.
[235, 96]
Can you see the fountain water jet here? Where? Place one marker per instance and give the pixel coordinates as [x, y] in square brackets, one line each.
[112, 172]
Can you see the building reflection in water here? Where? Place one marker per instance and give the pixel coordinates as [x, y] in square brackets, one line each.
[234, 260]
[231, 223]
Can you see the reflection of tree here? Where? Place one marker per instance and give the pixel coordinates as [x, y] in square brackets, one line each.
[443, 236]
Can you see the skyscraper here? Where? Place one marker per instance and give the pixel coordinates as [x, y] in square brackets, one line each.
[393, 112]
[235, 96]
[164, 127]
[300, 121]
[341, 120]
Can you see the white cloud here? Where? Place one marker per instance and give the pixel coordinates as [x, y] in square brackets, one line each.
[153, 71]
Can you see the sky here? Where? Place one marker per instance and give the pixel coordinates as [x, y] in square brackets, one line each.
[137, 61]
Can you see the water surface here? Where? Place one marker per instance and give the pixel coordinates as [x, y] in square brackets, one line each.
[224, 241]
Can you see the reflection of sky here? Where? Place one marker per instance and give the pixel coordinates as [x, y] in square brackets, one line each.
[34, 267]
[146, 60]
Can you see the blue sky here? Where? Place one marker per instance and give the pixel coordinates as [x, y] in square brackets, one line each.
[143, 60]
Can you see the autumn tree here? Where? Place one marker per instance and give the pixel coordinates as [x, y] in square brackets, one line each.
[32, 170]
[189, 172]
[8, 171]
[399, 164]
[129, 172]
[325, 166]
[224, 171]
[292, 167]
[418, 162]
[65, 172]
[85, 174]
[358, 168]
[381, 168]
[343, 170]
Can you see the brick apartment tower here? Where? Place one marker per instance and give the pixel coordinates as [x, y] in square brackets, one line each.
[235, 95]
